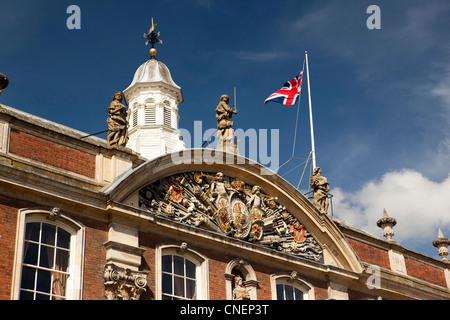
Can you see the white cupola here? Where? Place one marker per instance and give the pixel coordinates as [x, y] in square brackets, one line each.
[153, 99]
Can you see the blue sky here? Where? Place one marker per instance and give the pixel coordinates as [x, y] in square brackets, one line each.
[380, 98]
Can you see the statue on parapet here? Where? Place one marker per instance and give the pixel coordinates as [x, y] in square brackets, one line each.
[117, 122]
[225, 134]
[320, 187]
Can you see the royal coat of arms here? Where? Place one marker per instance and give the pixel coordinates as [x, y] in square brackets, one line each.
[229, 206]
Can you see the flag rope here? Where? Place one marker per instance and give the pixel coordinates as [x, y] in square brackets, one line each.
[296, 126]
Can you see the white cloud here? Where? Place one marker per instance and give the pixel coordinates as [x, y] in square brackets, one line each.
[442, 86]
[418, 204]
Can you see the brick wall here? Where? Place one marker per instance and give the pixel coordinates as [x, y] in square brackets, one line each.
[8, 223]
[426, 272]
[148, 242]
[9, 209]
[370, 254]
[51, 153]
[94, 259]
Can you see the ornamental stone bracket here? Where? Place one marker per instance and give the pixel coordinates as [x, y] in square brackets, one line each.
[124, 284]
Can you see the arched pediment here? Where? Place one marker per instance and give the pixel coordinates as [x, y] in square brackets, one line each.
[237, 197]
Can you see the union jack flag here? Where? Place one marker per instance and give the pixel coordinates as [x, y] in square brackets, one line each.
[288, 94]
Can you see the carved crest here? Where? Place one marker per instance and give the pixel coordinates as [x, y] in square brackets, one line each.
[229, 206]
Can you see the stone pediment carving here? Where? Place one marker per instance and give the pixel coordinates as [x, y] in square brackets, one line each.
[230, 206]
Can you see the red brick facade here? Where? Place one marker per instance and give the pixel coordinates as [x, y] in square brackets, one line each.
[8, 223]
[94, 259]
[51, 153]
[425, 272]
[370, 254]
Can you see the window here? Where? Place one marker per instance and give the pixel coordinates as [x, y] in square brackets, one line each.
[290, 286]
[181, 273]
[288, 292]
[46, 262]
[49, 257]
[178, 278]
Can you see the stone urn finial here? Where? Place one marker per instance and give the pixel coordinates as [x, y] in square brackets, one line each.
[442, 244]
[387, 224]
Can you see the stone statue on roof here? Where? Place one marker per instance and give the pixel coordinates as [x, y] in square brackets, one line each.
[225, 134]
[117, 122]
[320, 187]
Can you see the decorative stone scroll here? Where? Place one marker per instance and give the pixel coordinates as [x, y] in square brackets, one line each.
[124, 284]
[229, 206]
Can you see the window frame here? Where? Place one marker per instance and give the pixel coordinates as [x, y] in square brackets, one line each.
[201, 269]
[76, 260]
[287, 279]
[185, 277]
[291, 285]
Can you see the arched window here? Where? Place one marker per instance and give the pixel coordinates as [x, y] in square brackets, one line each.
[287, 291]
[49, 254]
[182, 274]
[288, 286]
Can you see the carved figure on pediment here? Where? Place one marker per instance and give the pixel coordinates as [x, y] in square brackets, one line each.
[218, 190]
[255, 203]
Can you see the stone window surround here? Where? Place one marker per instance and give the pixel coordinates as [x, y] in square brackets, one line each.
[294, 280]
[250, 282]
[200, 261]
[74, 290]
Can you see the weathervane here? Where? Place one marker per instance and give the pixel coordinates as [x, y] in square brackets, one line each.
[153, 39]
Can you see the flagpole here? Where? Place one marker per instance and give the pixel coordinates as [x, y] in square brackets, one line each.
[313, 152]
